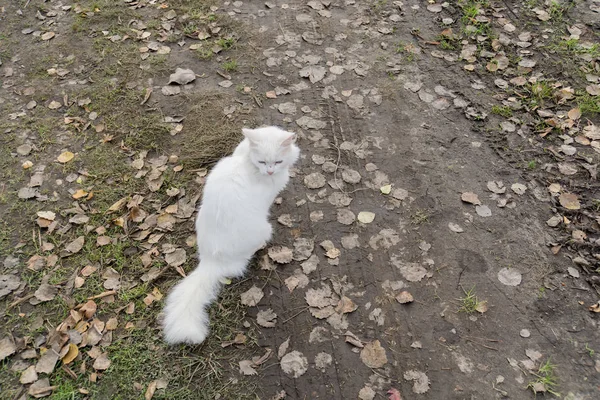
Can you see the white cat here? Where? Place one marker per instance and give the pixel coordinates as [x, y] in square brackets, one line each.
[232, 224]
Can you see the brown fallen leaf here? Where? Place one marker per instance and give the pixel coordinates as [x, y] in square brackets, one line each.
[80, 193]
[574, 114]
[240, 338]
[76, 245]
[117, 205]
[89, 309]
[28, 376]
[130, 309]
[102, 241]
[41, 388]
[150, 391]
[102, 362]
[252, 296]
[247, 367]
[266, 318]
[47, 362]
[469, 197]
[373, 355]
[7, 347]
[569, 201]
[595, 307]
[46, 292]
[346, 305]
[281, 254]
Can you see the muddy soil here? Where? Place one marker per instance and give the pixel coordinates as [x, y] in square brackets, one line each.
[437, 239]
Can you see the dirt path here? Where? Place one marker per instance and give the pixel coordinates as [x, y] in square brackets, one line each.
[438, 237]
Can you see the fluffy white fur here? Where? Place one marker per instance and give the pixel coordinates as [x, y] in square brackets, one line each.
[232, 224]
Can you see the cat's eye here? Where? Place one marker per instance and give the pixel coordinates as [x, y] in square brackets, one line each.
[262, 162]
[278, 162]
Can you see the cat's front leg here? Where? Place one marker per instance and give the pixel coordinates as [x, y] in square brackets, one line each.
[266, 234]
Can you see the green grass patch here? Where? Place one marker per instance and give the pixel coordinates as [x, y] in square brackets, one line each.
[504, 111]
[470, 303]
[230, 66]
[545, 379]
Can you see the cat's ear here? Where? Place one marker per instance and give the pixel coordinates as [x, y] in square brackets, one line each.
[289, 140]
[250, 134]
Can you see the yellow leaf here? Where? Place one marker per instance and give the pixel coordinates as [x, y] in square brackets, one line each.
[119, 222]
[65, 157]
[117, 206]
[79, 194]
[386, 189]
[366, 217]
[71, 354]
[157, 294]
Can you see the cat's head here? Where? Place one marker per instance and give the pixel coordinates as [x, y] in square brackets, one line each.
[272, 149]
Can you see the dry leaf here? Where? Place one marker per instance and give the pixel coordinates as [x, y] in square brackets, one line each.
[41, 388]
[252, 296]
[45, 292]
[421, 381]
[509, 276]
[373, 355]
[469, 197]
[47, 362]
[345, 306]
[89, 309]
[88, 270]
[518, 188]
[366, 217]
[266, 318]
[281, 254]
[386, 189]
[283, 347]
[28, 376]
[294, 363]
[102, 362]
[7, 347]
[569, 201]
[79, 194]
[176, 258]
[574, 114]
[150, 391]
[103, 241]
[118, 205]
[240, 338]
[65, 157]
[71, 354]
[394, 394]
[76, 245]
[112, 324]
[246, 368]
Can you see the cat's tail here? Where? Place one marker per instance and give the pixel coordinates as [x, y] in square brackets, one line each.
[186, 319]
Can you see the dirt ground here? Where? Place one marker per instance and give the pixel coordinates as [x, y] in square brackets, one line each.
[438, 238]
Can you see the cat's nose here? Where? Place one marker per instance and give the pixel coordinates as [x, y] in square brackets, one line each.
[270, 172]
